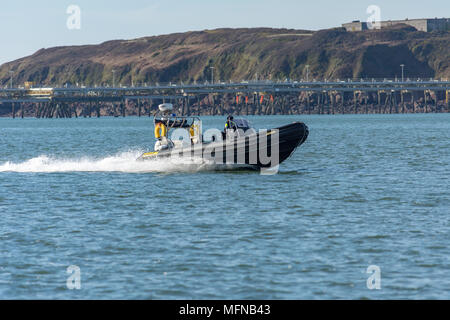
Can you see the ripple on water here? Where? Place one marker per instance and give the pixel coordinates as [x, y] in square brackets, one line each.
[358, 192]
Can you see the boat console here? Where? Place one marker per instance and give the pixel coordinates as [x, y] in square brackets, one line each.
[165, 121]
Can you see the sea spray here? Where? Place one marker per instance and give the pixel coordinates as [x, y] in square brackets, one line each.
[120, 162]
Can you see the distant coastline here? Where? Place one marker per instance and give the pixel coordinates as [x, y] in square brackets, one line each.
[234, 54]
[260, 54]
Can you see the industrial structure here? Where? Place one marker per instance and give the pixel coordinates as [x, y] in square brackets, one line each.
[425, 25]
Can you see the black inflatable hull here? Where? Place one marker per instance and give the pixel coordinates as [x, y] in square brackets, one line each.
[266, 150]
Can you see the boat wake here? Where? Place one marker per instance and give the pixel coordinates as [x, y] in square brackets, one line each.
[121, 162]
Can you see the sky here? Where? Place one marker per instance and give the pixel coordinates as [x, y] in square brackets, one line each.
[27, 26]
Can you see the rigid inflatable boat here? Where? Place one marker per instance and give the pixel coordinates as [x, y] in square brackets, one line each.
[238, 145]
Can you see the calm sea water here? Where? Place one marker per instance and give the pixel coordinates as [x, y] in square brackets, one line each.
[363, 190]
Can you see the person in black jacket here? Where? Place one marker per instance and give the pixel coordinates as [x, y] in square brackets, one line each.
[230, 124]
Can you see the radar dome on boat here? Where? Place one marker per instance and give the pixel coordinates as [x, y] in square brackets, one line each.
[165, 107]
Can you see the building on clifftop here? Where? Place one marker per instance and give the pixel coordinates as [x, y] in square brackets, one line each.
[425, 25]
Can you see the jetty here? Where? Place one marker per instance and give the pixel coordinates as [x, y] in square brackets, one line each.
[220, 98]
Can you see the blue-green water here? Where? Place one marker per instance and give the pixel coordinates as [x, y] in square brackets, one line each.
[363, 190]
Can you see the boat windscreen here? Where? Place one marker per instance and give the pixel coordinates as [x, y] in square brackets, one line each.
[243, 123]
[175, 123]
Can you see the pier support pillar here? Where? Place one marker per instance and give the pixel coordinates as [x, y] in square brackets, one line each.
[379, 101]
[447, 99]
[187, 106]
[139, 107]
[333, 101]
[307, 103]
[319, 102]
[366, 95]
[425, 100]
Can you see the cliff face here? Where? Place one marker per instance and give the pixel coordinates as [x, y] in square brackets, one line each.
[238, 54]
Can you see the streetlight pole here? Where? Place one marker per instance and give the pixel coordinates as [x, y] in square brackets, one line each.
[212, 74]
[403, 75]
[114, 78]
[307, 73]
[11, 72]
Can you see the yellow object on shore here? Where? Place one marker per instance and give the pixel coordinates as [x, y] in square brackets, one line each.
[28, 84]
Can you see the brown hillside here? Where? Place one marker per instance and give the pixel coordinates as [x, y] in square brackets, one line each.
[240, 54]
